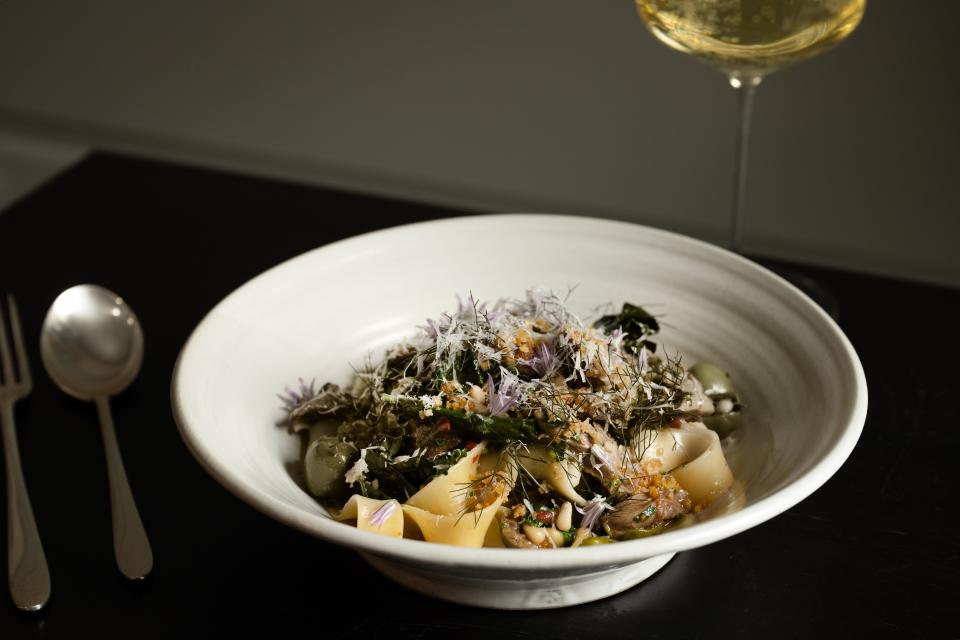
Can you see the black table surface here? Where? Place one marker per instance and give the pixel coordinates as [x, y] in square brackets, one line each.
[874, 552]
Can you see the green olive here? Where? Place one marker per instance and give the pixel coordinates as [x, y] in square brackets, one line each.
[636, 534]
[716, 383]
[592, 540]
[326, 463]
[323, 428]
[724, 424]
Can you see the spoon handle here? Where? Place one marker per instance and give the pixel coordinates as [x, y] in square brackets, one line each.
[26, 563]
[130, 544]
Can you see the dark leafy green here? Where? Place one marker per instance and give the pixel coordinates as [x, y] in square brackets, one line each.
[493, 428]
[636, 322]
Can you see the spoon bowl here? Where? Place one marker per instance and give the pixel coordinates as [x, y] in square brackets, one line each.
[91, 343]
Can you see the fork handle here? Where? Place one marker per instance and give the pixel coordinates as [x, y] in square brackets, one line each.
[29, 576]
[130, 544]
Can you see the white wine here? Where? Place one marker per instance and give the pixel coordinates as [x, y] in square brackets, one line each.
[750, 38]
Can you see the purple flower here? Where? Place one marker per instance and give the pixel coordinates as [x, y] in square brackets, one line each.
[292, 399]
[430, 328]
[506, 396]
[593, 511]
[544, 362]
[434, 329]
[380, 516]
[642, 363]
[616, 339]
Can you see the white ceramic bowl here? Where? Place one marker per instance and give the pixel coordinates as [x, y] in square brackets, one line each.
[315, 314]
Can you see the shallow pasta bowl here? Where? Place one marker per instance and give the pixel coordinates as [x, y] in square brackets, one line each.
[315, 315]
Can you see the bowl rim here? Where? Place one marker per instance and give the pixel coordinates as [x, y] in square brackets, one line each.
[420, 552]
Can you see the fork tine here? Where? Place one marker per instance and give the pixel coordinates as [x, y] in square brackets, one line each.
[5, 352]
[23, 364]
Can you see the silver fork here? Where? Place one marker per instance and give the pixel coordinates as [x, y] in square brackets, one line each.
[26, 564]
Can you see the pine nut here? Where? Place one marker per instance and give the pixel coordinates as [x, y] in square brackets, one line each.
[565, 516]
[555, 536]
[535, 534]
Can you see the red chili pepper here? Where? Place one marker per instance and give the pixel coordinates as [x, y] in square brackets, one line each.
[470, 444]
[677, 423]
[443, 425]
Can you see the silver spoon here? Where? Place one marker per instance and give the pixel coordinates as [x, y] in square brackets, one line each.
[92, 347]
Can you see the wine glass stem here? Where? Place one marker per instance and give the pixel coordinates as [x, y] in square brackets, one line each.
[745, 88]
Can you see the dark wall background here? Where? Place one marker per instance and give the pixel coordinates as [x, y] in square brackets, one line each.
[564, 106]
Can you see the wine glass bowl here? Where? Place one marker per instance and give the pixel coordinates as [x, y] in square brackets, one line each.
[746, 40]
[751, 38]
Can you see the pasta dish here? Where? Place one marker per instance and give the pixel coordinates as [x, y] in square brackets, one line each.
[518, 424]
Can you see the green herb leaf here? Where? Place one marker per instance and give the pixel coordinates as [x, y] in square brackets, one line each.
[494, 428]
[403, 405]
[646, 514]
[557, 450]
[444, 461]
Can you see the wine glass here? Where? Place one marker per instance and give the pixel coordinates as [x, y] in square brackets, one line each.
[746, 40]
